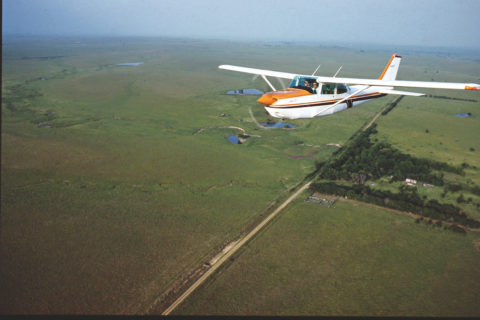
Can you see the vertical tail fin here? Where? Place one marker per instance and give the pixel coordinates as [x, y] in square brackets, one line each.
[390, 71]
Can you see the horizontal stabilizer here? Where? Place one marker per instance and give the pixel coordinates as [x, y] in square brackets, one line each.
[402, 93]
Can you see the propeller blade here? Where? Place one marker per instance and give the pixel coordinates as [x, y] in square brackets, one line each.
[282, 84]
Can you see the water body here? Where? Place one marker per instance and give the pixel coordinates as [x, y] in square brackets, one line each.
[463, 115]
[278, 125]
[245, 91]
[234, 139]
[130, 64]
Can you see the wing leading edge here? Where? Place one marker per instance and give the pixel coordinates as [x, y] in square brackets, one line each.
[261, 72]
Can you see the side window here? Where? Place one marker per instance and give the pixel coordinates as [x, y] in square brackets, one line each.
[328, 88]
[341, 88]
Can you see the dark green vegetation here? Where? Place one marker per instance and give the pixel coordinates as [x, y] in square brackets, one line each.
[363, 159]
[110, 192]
[375, 160]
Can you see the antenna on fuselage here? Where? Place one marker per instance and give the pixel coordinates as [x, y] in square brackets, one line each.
[316, 70]
[337, 71]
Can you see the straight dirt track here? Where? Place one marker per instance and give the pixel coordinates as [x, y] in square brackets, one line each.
[234, 249]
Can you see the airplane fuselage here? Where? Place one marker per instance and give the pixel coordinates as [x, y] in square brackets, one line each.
[295, 103]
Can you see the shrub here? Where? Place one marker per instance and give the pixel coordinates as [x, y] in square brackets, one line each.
[457, 229]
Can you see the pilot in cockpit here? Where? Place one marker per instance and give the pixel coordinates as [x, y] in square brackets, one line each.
[306, 86]
[315, 87]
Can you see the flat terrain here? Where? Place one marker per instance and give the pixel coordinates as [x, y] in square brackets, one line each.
[110, 192]
[346, 260]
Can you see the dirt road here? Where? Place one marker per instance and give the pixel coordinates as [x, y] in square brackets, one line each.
[238, 244]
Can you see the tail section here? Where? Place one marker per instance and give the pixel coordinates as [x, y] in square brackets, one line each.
[390, 71]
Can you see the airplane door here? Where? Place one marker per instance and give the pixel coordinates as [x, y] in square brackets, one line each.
[341, 91]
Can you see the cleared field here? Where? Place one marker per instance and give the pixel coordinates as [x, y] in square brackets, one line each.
[346, 260]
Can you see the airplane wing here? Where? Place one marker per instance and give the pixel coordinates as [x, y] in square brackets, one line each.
[384, 86]
[402, 93]
[401, 83]
[261, 72]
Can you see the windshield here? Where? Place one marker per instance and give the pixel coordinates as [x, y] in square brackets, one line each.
[301, 82]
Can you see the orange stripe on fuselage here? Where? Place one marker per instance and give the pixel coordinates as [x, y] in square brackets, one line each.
[388, 65]
[271, 97]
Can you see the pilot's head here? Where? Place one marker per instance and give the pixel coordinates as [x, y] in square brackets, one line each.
[306, 84]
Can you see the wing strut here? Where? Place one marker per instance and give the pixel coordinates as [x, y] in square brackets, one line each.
[268, 82]
[316, 70]
[337, 71]
[342, 100]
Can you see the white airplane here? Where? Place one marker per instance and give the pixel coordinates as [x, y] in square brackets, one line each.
[310, 96]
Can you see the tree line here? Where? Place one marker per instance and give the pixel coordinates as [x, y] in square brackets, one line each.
[406, 200]
[362, 159]
[379, 159]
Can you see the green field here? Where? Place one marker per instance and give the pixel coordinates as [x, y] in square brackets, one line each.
[110, 193]
[346, 260]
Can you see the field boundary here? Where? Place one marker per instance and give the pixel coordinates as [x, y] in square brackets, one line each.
[403, 213]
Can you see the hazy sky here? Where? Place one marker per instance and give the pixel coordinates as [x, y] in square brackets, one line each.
[450, 23]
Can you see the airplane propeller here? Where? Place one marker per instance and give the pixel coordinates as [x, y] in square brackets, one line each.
[280, 81]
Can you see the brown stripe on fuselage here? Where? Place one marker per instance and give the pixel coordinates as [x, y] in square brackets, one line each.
[328, 102]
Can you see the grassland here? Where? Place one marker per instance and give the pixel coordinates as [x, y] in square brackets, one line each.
[346, 260]
[110, 194]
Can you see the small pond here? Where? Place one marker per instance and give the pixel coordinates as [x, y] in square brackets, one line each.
[278, 125]
[245, 91]
[234, 139]
[463, 115]
[129, 64]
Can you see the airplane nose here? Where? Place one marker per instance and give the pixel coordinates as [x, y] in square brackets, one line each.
[267, 99]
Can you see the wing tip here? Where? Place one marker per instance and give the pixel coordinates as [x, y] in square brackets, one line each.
[472, 86]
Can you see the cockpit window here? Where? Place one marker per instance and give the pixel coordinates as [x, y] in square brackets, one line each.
[304, 83]
[341, 88]
[328, 88]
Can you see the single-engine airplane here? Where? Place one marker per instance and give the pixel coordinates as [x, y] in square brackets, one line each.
[310, 96]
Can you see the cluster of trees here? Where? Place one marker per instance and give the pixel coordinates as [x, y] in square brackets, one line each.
[406, 200]
[379, 159]
[362, 159]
